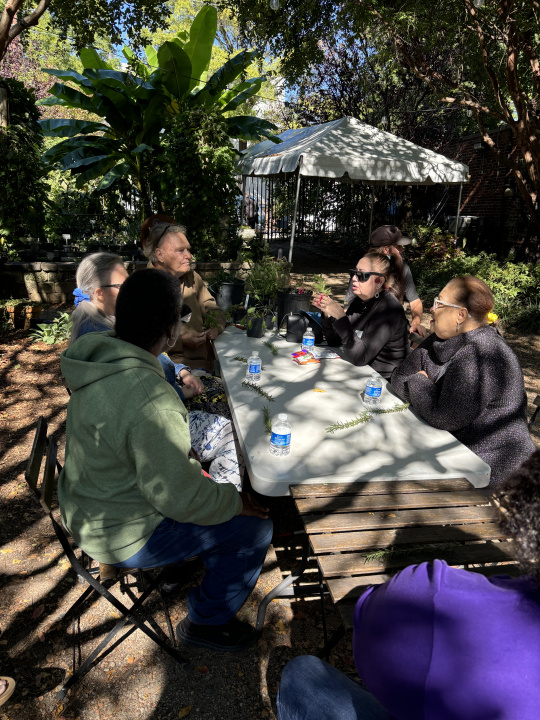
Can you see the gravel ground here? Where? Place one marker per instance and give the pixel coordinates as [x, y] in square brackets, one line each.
[137, 680]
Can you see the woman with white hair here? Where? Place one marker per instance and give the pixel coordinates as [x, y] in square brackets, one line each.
[99, 279]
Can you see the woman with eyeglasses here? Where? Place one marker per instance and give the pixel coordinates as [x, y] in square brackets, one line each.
[373, 330]
[464, 378]
[99, 279]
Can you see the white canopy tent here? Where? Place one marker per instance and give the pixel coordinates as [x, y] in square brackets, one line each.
[350, 151]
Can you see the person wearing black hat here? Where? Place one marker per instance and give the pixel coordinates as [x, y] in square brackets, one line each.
[388, 240]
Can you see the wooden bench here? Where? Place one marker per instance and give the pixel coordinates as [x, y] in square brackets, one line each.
[362, 533]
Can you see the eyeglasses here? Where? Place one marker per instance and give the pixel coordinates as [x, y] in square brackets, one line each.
[185, 313]
[114, 285]
[440, 303]
[363, 276]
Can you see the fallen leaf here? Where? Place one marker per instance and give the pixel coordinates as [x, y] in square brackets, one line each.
[38, 611]
[130, 660]
[280, 627]
[318, 390]
[6, 551]
[16, 562]
[184, 712]
[41, 637]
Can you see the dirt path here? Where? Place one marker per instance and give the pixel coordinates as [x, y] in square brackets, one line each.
[136, 681]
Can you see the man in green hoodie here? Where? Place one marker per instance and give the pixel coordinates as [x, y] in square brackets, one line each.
[129, 492]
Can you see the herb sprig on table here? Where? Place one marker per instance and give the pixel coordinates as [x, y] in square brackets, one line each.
[258, 390]
[364, 417]
[267, 419]
[273, 349]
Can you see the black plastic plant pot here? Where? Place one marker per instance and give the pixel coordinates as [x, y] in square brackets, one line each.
[289, 302]
[255, 327]
[239, 317]
[229, 294]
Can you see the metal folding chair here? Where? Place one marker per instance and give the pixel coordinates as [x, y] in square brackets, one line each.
[135, 614]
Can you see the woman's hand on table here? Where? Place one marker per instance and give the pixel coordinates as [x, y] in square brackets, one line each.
[329, 307]
[212, 333]
[192, 385]
[193, 340]
[252, 507]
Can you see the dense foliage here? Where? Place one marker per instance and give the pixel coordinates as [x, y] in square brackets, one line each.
[21, 171]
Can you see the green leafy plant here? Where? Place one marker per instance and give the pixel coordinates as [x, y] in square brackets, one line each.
[258, 390]
[319, 285]
[266, 277]
[135, 108]
[364, 417]
[56, 332]
[210, 321]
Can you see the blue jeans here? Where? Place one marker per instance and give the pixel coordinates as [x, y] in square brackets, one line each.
[233, 553]
[311, 689]
[171, 369]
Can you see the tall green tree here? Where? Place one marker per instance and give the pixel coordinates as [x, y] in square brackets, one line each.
[135, 107]
[482, 59]
[84, 20]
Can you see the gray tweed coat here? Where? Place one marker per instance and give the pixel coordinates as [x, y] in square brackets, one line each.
[475, 390]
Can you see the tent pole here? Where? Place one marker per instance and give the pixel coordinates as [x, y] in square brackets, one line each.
[293, 230]
[371, 210]
[243, 205]
[458, 208]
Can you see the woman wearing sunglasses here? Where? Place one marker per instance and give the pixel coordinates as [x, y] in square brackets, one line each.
[464, 378]
[99, 279]
[373, 330]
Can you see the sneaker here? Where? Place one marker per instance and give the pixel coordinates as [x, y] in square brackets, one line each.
[231, 637]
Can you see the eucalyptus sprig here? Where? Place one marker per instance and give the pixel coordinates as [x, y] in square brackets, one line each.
[364, 417]
[258, 390]
[267, 419]
[273, 349]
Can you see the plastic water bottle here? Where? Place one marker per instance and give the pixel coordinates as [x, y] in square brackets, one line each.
[253, 371]
[280, 440]
[372, 393]
[308, 340]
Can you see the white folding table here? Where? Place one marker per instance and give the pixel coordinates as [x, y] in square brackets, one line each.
[397, 446]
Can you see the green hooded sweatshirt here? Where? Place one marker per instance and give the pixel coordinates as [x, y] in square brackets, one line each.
[127, 465]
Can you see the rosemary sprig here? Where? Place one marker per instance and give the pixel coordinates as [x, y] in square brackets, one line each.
[258, 390]
[240, 358]
[390, 552]
[267, 419]
[364, 417]
[273, 349]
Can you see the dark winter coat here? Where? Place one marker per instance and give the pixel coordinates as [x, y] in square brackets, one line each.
[475, 390]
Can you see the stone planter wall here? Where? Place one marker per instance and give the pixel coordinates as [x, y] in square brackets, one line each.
[54, 282]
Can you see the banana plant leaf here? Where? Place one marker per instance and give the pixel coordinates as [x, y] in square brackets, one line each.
[99, 169]
[223, 77]
[245, 95]
[70, 75]
[138, 66]
[90, 59]
[120, 171]
[175, 67]
[201, 41]
[151, 56]
[67, 96]
[247, 127]
[70, 128]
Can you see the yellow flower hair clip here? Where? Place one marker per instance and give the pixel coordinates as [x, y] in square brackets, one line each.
[492, 318]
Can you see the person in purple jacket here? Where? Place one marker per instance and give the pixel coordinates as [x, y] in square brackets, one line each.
[440, 643]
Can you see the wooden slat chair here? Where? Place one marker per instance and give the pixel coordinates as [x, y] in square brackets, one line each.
[108, 575]
[363, 533]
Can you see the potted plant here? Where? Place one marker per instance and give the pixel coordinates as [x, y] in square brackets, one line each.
[265, 278]
[258, 319]
[226, 288]
[292, 300]
[22, 311]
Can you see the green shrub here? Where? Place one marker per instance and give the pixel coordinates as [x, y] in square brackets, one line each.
[56, 332]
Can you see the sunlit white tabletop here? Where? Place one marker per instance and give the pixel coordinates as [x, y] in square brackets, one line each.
[396, 446]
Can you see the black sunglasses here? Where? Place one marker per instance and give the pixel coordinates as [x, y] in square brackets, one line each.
[163, 233]
[363, 276]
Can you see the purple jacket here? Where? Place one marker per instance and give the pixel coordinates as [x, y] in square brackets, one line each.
[438, 643]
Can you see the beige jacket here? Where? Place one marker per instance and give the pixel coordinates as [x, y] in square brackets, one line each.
[197, 296]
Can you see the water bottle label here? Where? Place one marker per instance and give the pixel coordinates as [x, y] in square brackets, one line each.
[308, 342]
[374, 392]
[280, 440]
[254, 368]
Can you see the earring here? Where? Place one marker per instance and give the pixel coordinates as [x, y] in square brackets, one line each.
[458, 327]
[376, 294]
[169, 344]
